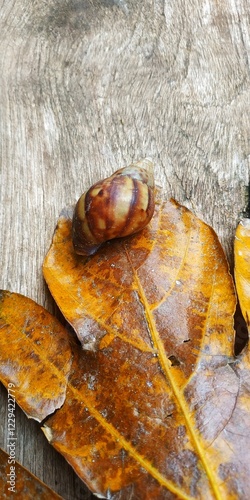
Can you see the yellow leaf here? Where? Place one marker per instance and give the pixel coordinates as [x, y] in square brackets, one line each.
[35, 355]
[242, 267]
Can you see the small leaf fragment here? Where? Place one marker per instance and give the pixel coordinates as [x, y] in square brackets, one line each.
[242, 267]
[18, 482]
[35, 355]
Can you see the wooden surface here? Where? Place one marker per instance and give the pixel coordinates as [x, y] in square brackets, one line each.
[86, 87]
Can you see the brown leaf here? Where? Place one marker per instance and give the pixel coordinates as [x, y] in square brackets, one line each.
[18, 482]
[35, 355]
[127, 436]
[158, 408]
[158, 310]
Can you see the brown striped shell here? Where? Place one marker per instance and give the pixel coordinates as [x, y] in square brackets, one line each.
[114, 207]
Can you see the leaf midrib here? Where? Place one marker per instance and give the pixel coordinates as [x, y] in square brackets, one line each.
[164, 363]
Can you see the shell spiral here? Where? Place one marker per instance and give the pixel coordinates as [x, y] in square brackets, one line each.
[117, 206]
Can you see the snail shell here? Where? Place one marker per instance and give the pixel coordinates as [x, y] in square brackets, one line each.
[114, 207]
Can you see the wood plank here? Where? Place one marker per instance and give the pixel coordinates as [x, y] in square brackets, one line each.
[86, 88]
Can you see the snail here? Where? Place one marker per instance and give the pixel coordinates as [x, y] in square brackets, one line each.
[117, 206]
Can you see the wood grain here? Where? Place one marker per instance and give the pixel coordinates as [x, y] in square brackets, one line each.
[89, 86]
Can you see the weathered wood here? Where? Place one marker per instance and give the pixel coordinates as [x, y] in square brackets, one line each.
[86, 87]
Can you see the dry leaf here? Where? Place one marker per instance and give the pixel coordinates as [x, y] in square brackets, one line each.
[242, 267]
[158, 309]
[18, 482]
[158, 407]
[35, 355]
